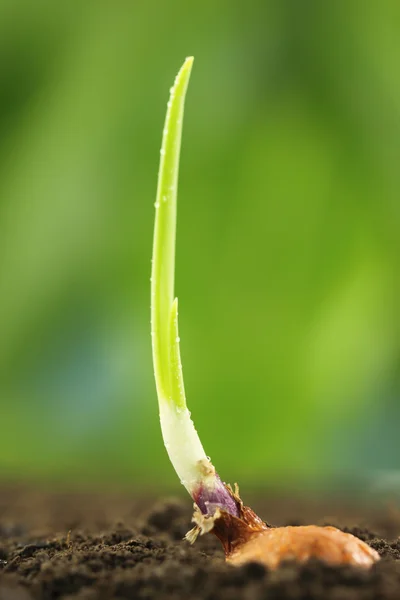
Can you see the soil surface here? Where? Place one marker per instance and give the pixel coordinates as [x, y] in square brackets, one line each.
[103, 546]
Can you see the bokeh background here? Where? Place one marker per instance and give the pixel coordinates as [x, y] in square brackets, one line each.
[288, 238]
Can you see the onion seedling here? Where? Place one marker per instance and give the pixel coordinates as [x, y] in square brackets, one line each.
[218, 508]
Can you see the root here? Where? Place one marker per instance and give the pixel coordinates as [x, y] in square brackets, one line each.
[203, 524]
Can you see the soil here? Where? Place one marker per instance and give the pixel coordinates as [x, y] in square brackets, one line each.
[102, 546]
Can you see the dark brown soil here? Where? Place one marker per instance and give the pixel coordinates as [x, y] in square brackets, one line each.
[97, 547]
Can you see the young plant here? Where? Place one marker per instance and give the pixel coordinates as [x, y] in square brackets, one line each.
[244, 536]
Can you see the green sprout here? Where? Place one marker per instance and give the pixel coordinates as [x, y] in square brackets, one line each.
[244, 536]
[181, 440]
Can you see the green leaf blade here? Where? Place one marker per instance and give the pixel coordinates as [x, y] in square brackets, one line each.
[163, 263]
[177, 385]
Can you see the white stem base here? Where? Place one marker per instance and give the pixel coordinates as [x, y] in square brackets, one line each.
[184, 448]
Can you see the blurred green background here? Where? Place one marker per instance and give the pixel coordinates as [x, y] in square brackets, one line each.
[288, 237]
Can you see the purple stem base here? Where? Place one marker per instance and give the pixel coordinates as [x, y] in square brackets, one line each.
[219, 497]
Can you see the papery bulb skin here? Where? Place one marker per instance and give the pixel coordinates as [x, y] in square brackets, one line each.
[278, 544]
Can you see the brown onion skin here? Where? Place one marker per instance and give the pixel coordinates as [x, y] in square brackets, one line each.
[275, 545]
[247, 538]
